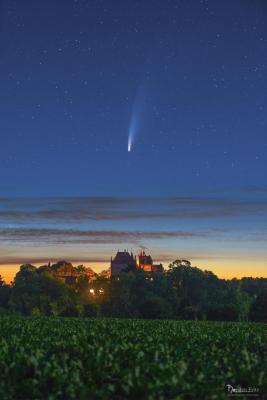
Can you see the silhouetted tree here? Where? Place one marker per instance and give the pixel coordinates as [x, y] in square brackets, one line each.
[5, 292]
[258, 310]
[183, 292]
[39, 293]
[155, 307]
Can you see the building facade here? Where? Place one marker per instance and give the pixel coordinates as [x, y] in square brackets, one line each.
[122, 262]
[66, 272]
[145, 262]
[125, 262]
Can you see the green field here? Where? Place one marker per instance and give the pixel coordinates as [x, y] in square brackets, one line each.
[72, 358]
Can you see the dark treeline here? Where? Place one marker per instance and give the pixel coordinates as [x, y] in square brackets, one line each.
[181, 292]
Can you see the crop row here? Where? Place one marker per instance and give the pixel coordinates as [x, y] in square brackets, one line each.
[72, 358]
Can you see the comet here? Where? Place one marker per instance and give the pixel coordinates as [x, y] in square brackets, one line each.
[130, 138]
[137, 110]
[132, 131]
[129, 145]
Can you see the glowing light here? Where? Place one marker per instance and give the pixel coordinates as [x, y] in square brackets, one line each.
[136, 116]
[129, 144]
[92, 291]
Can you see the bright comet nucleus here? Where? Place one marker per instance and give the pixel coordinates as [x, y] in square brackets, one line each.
[132, 132]
[137, 110]
[129, 145]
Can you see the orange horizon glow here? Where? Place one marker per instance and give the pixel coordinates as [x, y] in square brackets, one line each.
[224, 269]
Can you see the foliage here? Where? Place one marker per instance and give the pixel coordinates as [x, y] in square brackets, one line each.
[259, 308]
[80, 358]
[181, 292]
[40, 294]
[5, 292]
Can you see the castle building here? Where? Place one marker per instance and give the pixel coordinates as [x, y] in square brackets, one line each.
[123, 261]
[66, 272]
[145, 262]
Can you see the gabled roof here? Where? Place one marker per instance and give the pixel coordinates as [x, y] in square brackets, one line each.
[144, 259]
[123, 257]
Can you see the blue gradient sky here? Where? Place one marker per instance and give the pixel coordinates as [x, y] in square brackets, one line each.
[189, 78]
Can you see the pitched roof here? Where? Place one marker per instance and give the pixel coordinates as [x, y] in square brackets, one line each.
[123, 257]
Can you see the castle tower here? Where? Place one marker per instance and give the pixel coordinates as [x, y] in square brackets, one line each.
[123, 261]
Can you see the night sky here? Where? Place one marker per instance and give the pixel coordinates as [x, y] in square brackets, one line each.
[184, 81]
